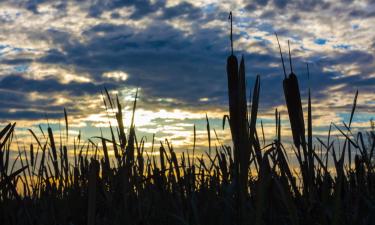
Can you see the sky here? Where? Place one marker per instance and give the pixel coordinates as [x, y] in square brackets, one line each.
[57, 54]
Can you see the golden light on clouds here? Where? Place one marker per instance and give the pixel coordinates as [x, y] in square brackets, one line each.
[116, 75]
[99, 50]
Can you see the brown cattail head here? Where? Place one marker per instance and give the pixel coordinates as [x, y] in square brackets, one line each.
[232, 74]
[233, 80]
[53, 149]
[294, 105]
[293, 102]
[32, 155]
[296, 102]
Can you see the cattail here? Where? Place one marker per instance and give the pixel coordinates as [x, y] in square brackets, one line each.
[238, 123]
[208, 134]
[232, 74]
[293, 102]
[54, 154]
[294, 105]
[234, 98]
[32, 155]
[162, 162]
[66, 162]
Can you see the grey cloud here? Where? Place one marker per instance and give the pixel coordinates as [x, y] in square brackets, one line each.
[166, 62]
[50, 85]
[142, 7]
[262, 2]
[15, 61]
[280, 3]
[183, 9]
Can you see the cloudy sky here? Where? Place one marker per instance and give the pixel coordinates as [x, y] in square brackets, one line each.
[57, 54]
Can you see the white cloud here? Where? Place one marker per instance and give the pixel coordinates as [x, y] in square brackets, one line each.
[116, 75]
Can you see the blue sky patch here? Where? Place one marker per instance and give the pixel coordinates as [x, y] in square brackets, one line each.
[342, 46]
[320, 41]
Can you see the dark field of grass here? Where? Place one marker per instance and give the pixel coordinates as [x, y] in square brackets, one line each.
[159, 186]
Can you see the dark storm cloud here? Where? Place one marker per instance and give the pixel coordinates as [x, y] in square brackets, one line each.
[350, 57]
[167, 63]
[184, 9]
[16, 61]
[253, 5]
[54, 56]
[262, 2]
[354, 82]
[19, 104]
[268, 14]
[142, 7]
[308, 5]
[161, 59]
[280, 3]
[295, 18]
[50, 85]
[29, 115]
[360, 13]
[32, 5]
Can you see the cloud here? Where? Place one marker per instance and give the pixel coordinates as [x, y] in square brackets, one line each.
[33, 99]
[280, 3]
[184, 9]
[176, 53]
[142, 8]
[50, 85]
